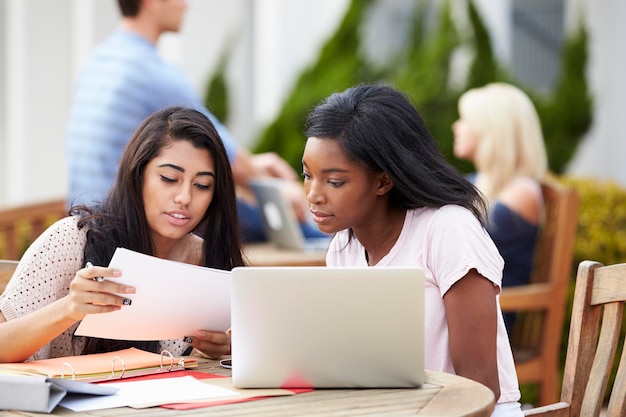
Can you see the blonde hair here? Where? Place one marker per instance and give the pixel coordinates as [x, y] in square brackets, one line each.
[508, 132]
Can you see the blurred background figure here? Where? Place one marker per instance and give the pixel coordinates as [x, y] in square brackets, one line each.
[499, 131]
[124, 81]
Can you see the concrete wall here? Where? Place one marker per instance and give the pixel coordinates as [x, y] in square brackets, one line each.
[44, 43]
[603, 153]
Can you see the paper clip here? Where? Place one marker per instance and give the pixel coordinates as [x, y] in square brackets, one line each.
[69, 365]
[113, 367]
[169, 354]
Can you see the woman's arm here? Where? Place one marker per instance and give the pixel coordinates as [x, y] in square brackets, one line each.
[471, 312]
[248, 166]
[28, 333]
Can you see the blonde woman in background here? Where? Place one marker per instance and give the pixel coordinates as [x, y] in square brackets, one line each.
[499, 131]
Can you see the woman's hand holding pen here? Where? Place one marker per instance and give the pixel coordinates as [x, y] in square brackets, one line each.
[91, 293]
[210, 344]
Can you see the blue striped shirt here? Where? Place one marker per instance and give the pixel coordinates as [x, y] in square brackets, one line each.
[125, 80]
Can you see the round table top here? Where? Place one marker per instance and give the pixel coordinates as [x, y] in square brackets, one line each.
[442, 394]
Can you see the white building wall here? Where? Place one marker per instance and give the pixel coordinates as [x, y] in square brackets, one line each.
[603, 150]
[603, 154]
[497, 17]
[36, 74]
[45, 42]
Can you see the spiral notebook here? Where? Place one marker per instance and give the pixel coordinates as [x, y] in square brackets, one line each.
[101, 366]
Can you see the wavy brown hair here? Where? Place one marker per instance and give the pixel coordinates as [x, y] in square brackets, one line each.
[120, 221]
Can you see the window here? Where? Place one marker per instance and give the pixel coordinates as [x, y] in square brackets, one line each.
[537, 36]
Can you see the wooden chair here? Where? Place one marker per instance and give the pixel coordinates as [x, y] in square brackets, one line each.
[6, 272]
[540, 305]
[594, 336]
[20, 226]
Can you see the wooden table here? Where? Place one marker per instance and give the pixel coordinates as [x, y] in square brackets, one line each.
[268, 254]
[442, 395]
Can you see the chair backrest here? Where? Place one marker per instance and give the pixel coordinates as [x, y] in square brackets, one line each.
[552, 263]
[6, 272]
[537, 333]
[594, 337]
[555, 247]
[20, 226]
[598, 309]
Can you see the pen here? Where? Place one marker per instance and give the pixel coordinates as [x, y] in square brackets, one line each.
[99, 279]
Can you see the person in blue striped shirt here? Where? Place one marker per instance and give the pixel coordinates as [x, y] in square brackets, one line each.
[124, 81]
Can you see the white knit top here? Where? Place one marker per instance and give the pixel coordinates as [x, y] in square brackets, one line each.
[44, 275]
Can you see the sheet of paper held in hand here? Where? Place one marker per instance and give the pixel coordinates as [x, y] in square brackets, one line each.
[172, 300]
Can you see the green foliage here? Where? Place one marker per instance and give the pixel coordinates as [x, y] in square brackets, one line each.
[484, 69]
[216, 97]
[601, 221]
[424, 75]
[566, 115]
[338, 67]
[423, 72]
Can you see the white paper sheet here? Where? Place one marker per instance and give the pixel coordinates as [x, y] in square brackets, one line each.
[154, 391]
[173, 300]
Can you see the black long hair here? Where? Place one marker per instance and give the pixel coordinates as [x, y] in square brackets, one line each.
[120, 221]
[377, 126]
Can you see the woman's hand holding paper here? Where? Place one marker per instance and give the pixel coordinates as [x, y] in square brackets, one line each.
[88, 295]
[210, 344]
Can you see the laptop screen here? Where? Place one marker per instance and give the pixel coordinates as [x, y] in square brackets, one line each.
[319, 327]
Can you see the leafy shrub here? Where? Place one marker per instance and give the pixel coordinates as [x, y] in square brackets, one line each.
[602, 221]
[566, 113]
[422, 71]
[338, 67]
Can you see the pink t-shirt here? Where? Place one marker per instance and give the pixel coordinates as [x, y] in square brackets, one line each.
[447, 243]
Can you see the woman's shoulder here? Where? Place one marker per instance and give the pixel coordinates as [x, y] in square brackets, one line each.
[449, 218]
[67, 224]
[64, 230]
[442, 213]
[523, 197]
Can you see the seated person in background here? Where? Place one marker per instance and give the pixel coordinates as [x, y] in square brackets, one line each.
[123, 82]
[375, 178]
[499, 131]
[174, 177]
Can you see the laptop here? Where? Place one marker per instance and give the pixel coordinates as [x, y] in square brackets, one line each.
[279, 220]
[323, 327]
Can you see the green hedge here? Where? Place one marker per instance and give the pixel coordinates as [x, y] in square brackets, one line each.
[601, 235]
